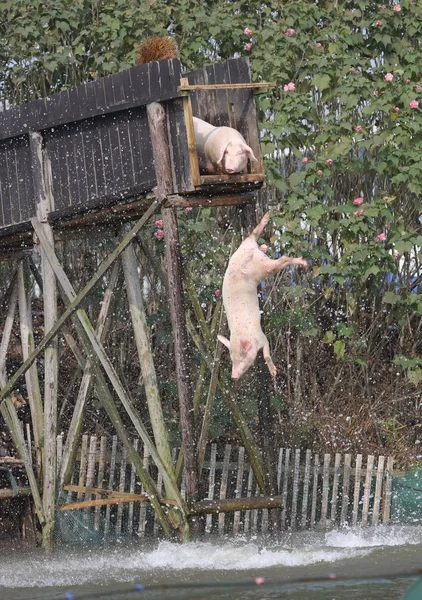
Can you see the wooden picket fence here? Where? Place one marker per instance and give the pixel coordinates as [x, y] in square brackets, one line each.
[318, 491]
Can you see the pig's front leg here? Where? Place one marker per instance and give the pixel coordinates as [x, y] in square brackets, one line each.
[267, 357]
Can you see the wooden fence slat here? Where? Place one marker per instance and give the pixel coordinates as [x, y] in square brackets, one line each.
[143, 505]
[367, 489]
[132, 490]
[378, 490]
[296, 479]
[246, 525]
[160, 491]
[334, 494]
[285, 486]
[254, 513]
[325, 488]
[345, 500]
[90, 472]
[122, 484]
[279, 469]
[387, 490]
[306, 482]
[314, 490]
[83, 464]
[211, 484]
[238, 490]
[224, 484]
[356, 492]
[100, 479]
[59, 447]
[110, 483]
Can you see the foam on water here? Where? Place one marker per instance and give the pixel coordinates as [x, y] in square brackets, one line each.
[124, 564]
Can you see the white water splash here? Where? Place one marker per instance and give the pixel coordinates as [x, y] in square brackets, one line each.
[95, 565]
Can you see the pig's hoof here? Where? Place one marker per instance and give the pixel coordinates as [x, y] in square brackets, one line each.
[271, 368]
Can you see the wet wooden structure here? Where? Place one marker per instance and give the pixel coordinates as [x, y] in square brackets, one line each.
[119, 149]
[98, 142]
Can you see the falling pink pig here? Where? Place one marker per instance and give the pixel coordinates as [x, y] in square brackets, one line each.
[246, 269]
[220, 149]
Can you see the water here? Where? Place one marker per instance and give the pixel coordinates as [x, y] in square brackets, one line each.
[235, 569]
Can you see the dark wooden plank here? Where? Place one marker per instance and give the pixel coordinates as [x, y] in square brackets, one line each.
[108, 94]
[244, 110]
[5, 187]
[179, 150]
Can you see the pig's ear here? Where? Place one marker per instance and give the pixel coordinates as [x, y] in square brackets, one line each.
[249, 152]
[224, 341]
[221, 155]
[246, 344]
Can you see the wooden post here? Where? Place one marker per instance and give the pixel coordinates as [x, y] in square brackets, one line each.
[146, 361]
[41, 171]
[173, 263]
[7, 330]
[31, 376]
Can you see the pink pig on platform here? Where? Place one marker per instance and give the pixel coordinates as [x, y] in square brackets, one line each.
[220, 149]
[247, 267]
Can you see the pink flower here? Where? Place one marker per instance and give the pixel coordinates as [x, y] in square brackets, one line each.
[159, 223]
[248, 46]
[263, 248]
[318, 45]
[319, 172]
[381, 237]
[352, 69]
[376, 92]
[378, 23]
[385, 198]
[359, 213]
[407, 80]
[358, 201]
[289, 87]
[247, 31]
[413, 104]
[217, 293]
[397, 8]
[159, 234]
[388, 77]
[329, 161]
[397, 254]
[305, 160]
[259, 580]
[358, 128]
[188, 209]
[396, 109]
[289, 32]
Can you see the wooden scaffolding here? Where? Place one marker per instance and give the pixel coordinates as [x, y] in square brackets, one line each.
[112, 152]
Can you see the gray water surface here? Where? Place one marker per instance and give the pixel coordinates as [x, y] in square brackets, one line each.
[236, 569]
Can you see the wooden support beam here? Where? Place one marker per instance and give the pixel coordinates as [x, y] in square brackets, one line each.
[223, 86]
[9, 493]
[173, 264]
[8, 410]
[146, 361]
[31, 375]
[72, 307]
[8, 325]
[206, 507]
[69, 295]
[70, 446]
[41, 172]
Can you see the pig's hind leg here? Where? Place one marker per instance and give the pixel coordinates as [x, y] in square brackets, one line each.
[260, 227]
[267, 357]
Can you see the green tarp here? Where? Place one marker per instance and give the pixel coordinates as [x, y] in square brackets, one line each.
[406, 500]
